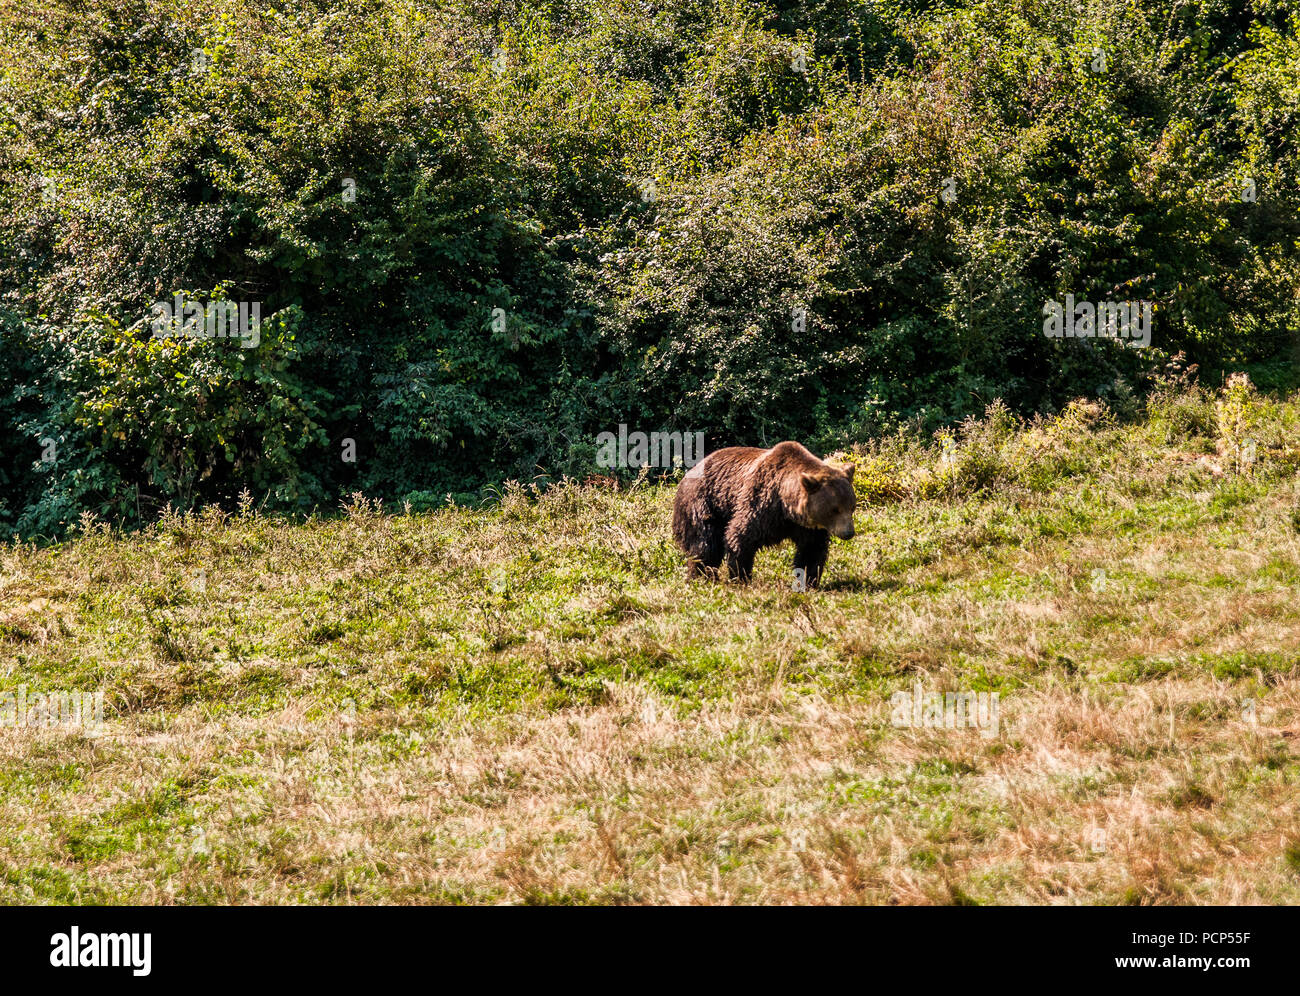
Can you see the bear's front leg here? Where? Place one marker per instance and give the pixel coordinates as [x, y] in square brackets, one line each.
[810, 552]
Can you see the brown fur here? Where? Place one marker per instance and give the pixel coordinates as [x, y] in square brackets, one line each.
[738, 500]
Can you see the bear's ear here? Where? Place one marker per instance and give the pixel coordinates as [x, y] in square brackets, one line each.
[848, 469]
[810, 482]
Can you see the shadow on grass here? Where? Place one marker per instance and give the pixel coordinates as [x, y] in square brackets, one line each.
[862, 584]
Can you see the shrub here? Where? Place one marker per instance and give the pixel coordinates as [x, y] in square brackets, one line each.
[826, 223]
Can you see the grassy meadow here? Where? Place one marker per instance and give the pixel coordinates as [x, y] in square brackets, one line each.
[526, 703]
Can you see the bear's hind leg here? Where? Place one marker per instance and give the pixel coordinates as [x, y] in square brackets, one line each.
[741, 565]
[698, 531]
[704, 552]
[740, 559]
[706, 562]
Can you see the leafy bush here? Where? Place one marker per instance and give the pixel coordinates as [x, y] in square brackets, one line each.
[877, 480]
[480, 237]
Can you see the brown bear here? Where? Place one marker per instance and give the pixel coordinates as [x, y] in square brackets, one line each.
[738, 500]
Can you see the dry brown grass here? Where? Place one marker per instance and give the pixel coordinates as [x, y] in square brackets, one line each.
[525, 704]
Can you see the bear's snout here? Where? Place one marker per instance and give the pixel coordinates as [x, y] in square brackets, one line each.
[844, 532]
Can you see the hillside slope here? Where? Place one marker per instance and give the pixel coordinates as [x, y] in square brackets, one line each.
[526, 703]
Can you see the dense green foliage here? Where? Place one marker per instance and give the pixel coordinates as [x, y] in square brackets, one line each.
[691, 214]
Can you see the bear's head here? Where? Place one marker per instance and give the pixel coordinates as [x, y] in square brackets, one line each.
[828, 500]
